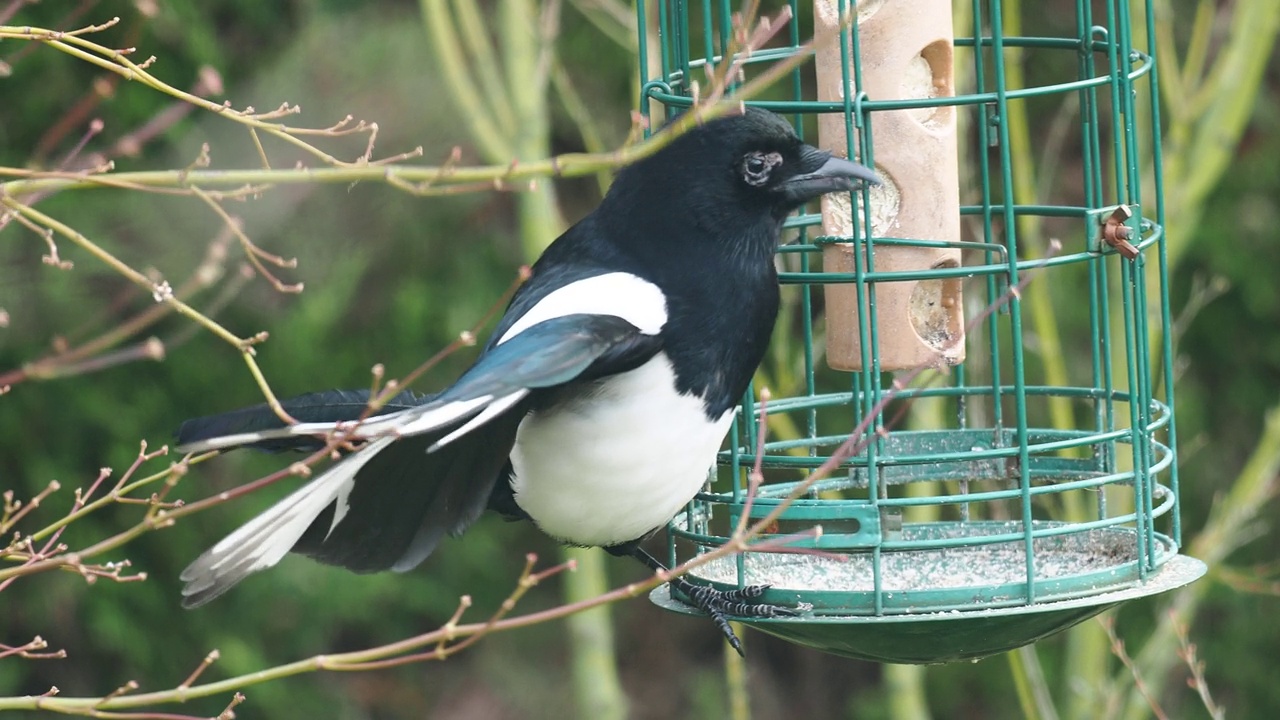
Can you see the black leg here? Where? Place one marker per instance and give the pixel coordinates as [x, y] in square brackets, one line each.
[716, 603]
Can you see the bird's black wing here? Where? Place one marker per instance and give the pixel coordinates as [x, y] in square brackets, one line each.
[427, 470]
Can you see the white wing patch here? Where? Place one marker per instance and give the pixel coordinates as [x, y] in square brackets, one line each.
[620, 294]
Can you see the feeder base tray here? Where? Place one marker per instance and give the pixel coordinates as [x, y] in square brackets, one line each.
[949, 636]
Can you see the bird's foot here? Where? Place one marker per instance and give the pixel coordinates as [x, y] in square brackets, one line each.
[742, 602]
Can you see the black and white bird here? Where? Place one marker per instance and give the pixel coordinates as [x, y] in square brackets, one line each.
[597, 407]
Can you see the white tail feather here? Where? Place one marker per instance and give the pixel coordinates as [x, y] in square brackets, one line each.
[230, 441]
[404, 422]
[264, 540]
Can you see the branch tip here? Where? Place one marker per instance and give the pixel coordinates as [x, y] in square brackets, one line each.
[228, 713]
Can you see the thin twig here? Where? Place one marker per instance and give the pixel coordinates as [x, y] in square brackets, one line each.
[1197, 682]
[1117, 649]
[255, 254]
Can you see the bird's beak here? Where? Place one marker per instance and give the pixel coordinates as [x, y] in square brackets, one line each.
[824, 173]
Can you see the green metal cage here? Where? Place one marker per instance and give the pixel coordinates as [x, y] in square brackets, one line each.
[991, 506]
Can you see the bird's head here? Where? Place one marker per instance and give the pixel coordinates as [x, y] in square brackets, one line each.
[769, 166]
[742, 171]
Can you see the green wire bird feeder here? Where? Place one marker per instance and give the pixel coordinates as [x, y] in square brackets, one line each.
[1001, 507]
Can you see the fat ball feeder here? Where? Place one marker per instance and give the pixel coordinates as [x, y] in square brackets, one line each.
[996, 526]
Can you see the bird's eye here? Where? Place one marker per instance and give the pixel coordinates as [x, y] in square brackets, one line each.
[757, 165]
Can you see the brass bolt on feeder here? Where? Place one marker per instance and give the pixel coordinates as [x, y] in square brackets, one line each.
[995, 526]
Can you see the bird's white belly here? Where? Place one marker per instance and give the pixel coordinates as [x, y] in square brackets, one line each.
[612, 466]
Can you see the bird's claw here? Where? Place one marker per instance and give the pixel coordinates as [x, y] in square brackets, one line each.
[721, 603]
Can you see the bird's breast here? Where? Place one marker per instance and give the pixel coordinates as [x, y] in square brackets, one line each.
[617, 460]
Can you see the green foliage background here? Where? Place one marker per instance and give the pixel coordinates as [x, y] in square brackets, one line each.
[391, 278]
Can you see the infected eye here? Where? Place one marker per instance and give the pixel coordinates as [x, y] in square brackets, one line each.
[756, 167]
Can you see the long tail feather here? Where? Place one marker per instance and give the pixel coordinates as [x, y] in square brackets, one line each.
[260, 428]
[264, 540]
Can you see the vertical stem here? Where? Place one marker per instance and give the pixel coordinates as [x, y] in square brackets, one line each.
[1029, 681]
[597, 689]
[528, 42]
[526, 39]
[527, 59]
[735, 677]
[1200, 147]
[1039, 301]
[1088, 655]
[905, 687]
[1018, 673]
[451, 63]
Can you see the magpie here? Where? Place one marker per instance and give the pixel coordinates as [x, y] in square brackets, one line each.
[597, 407]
